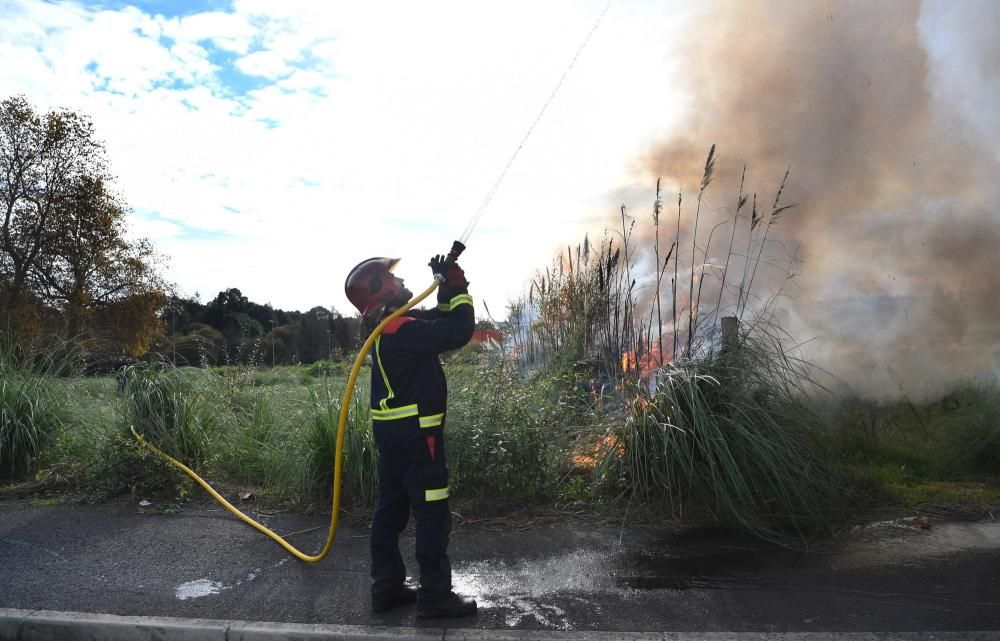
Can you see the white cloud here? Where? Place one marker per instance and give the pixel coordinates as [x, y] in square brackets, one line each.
[386, 127]
[227, 31]
[267, 64]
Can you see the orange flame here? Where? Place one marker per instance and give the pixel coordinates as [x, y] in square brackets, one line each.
[649, 361]
[604, 444]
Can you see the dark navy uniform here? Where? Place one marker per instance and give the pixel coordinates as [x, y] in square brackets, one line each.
[409, 398]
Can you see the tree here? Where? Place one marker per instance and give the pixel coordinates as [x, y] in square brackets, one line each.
[89, 264]
[41, 160]
[315, 341]
[286, 339]
[205, 345]
[229, 312]
[346, 333]
[130, 324]
[63, 240]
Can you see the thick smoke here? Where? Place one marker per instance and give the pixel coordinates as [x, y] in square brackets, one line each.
[888, 114]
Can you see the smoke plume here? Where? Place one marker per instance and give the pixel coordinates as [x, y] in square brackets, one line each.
[888, 115]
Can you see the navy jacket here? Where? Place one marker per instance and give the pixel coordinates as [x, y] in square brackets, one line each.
[408, 381]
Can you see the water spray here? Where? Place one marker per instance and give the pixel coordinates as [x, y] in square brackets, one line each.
[464, 238]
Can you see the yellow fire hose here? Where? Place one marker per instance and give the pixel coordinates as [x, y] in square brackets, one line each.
[338, 461]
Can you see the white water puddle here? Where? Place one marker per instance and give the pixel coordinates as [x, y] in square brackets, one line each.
[519, 591]
[206, 587]
[580, 571]
[196, 589]
[549, 616]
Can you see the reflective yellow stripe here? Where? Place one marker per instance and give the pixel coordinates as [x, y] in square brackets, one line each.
[432, 421]
[461, 299]
[394, 413]
[385, 378]
[436, 495]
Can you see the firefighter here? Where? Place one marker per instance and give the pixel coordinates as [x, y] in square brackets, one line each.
[408, 408]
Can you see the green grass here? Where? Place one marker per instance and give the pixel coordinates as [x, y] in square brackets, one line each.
[746, 454]
[980, 494]
[271, 433]
[33, 408]
[91, 422]
[971, 430]
[257, 455]
[360, 464]
[175, 408]
[946, 450]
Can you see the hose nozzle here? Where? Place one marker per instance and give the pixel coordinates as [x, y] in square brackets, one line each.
[456, 250]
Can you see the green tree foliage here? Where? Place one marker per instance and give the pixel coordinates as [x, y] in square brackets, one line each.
[42, 159]
[315, 335]
[91, 266]
[63, 247]
[230, 328]
[204, 345]
[233, 329]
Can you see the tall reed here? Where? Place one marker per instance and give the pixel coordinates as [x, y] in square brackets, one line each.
[591, 304]
[732, 437]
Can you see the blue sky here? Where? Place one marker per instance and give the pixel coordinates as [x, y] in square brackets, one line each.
[168, 8]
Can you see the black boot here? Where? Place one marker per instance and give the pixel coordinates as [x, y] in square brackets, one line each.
[447, 604]
[384, 601]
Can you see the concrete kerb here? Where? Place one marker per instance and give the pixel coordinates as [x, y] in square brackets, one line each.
[46, 625]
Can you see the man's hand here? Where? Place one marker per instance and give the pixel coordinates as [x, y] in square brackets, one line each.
[438, 265]
[453, 274]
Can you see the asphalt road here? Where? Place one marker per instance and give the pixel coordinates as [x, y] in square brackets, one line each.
[566, 575]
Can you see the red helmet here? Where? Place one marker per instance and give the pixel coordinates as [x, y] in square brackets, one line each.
[371, 286]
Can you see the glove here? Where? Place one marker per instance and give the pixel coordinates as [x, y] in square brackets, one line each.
[454, 276]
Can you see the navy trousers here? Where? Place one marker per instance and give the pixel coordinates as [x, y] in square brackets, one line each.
[412, 473]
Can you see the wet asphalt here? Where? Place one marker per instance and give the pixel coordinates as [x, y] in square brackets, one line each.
[559, 574]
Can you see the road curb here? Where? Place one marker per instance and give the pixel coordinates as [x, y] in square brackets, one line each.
[48, 625]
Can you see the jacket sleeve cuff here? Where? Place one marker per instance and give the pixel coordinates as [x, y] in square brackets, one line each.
[454, 302]
[446, 292]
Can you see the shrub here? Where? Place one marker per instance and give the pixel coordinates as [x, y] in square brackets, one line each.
[506, 436]
[730, 437]
[360, 465]
[125, 466]
[32, 409]
[173, 408]
[322, 369]
[971, 439]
